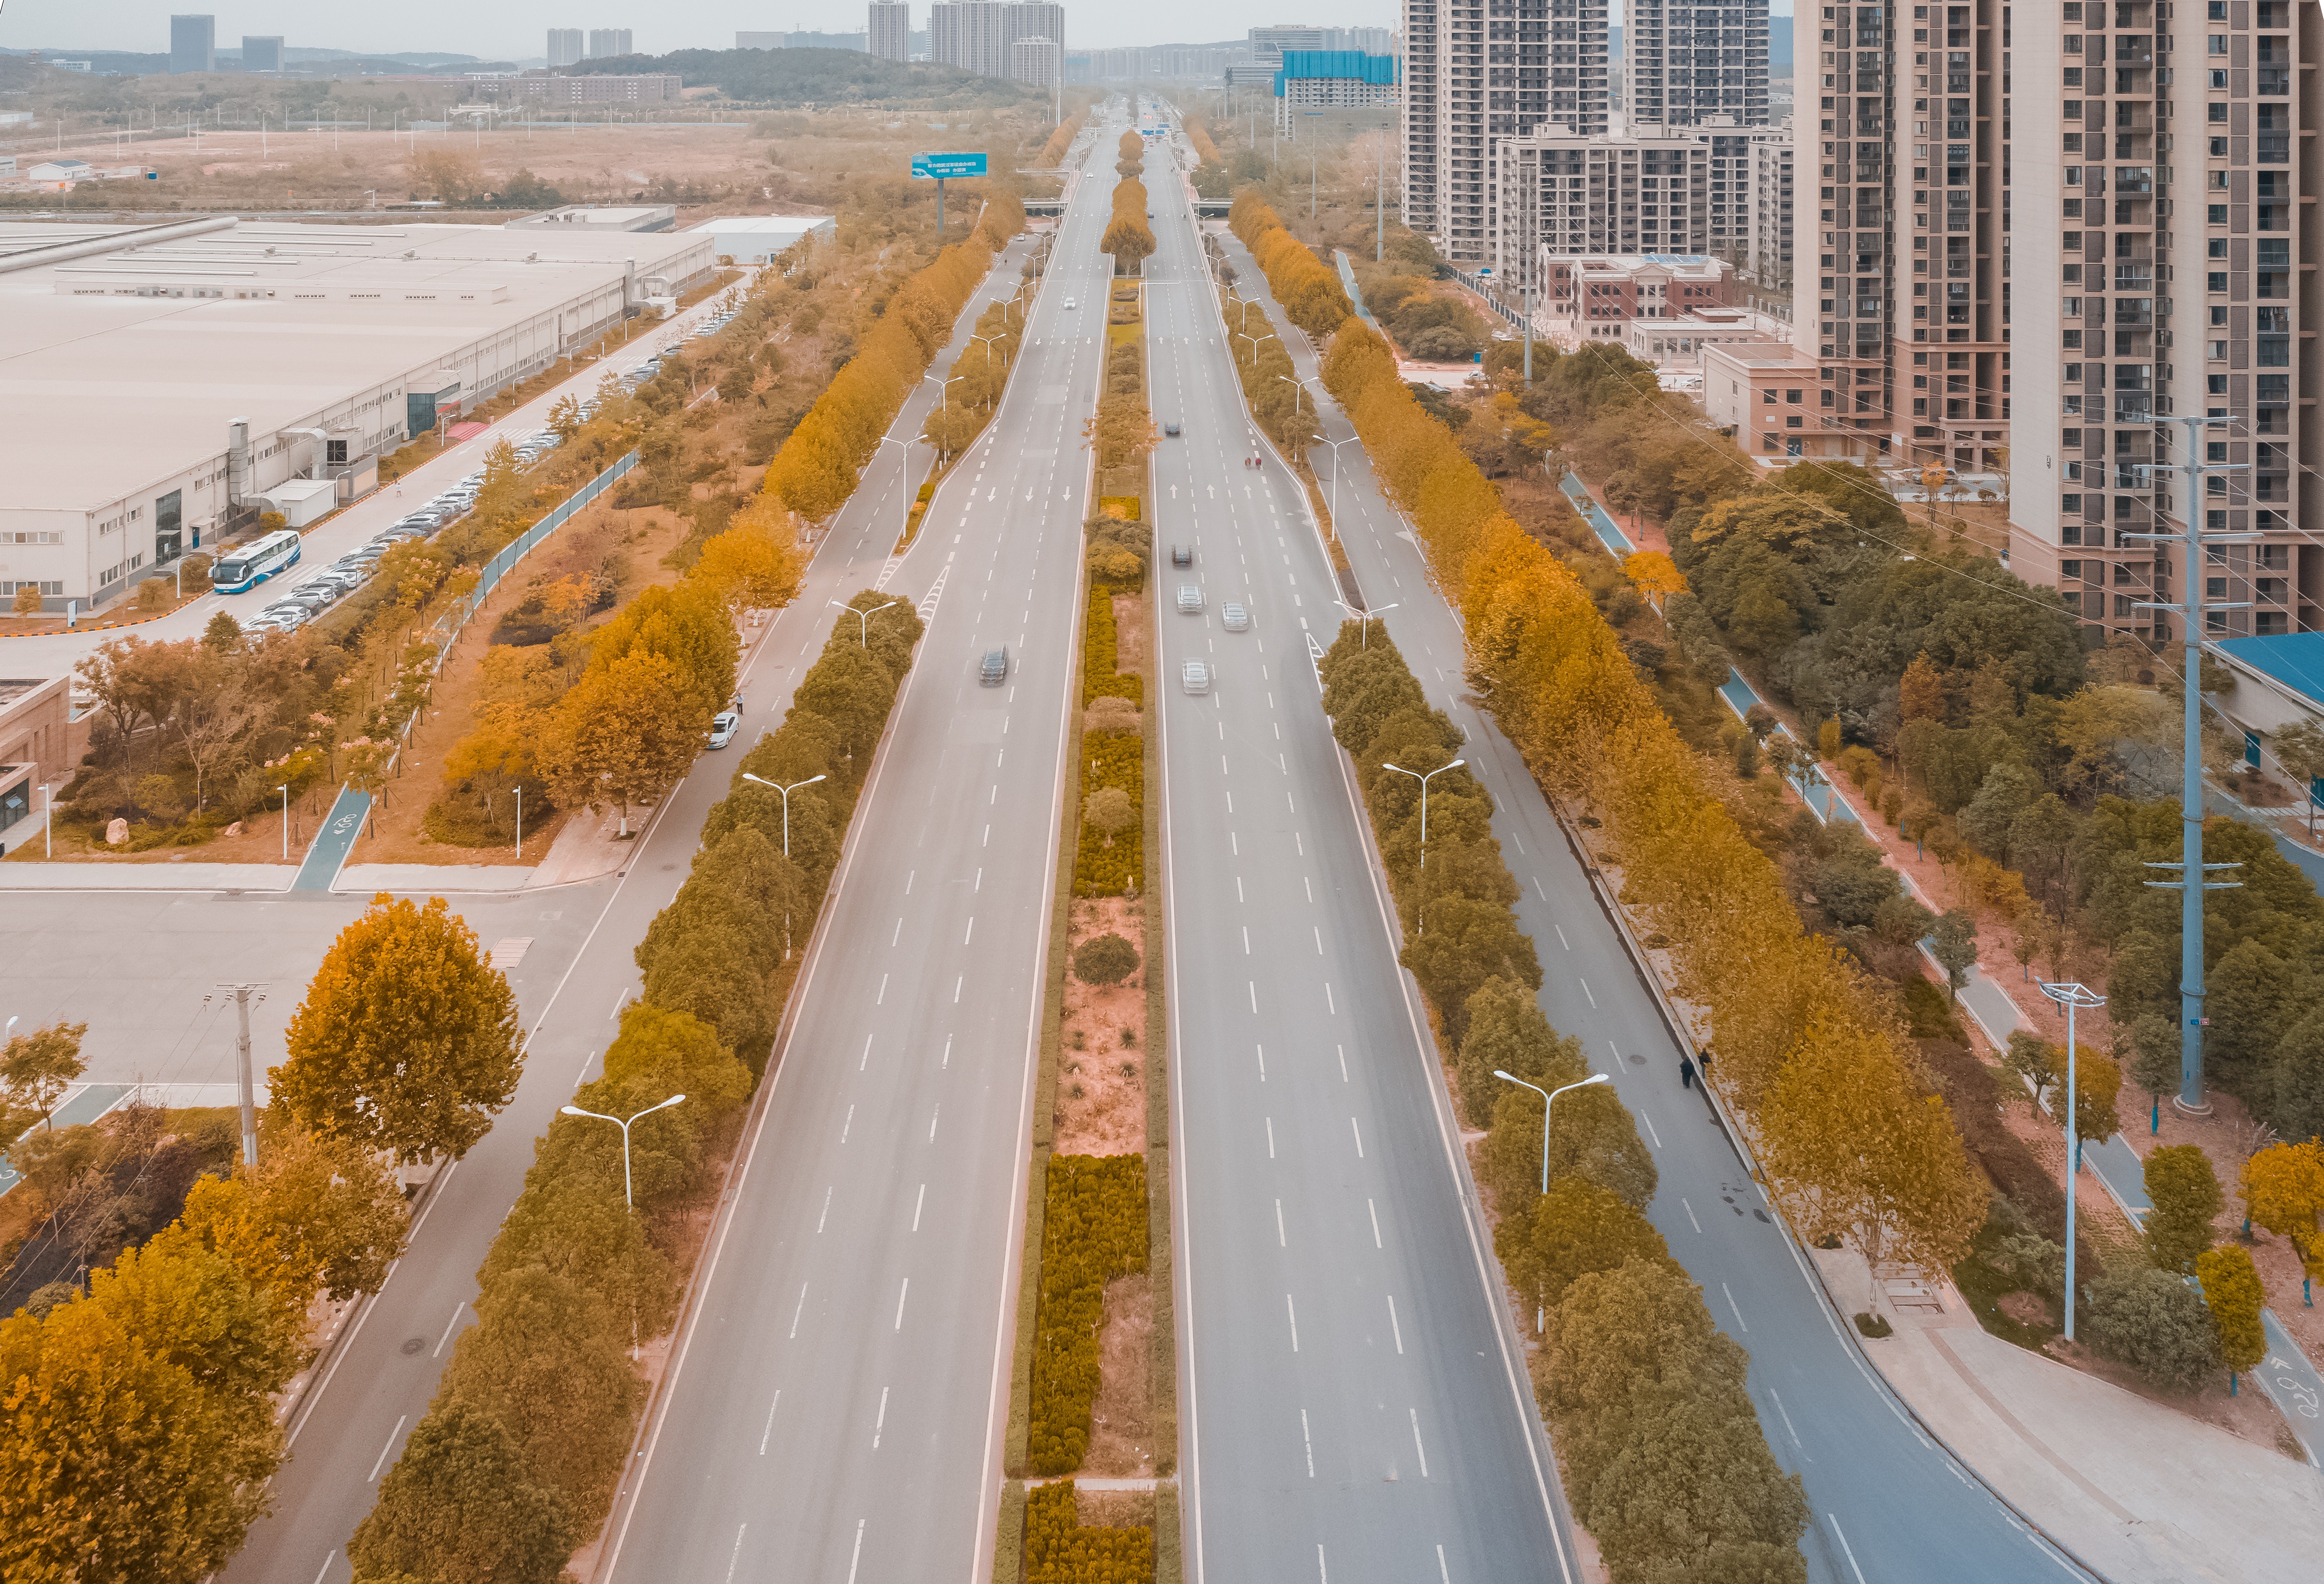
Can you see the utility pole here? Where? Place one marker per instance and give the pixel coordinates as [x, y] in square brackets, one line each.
[2192, 883]
[242, 994]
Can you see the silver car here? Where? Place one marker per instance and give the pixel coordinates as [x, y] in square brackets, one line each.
[1234, 617]
[1190, 599]
[1195, 678]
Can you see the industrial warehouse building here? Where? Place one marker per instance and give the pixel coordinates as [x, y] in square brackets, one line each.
[161, 385]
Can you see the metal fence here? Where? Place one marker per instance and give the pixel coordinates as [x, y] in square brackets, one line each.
[518, 549]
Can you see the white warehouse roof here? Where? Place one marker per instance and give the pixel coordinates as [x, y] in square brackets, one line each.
[750, 239]
[117, 367]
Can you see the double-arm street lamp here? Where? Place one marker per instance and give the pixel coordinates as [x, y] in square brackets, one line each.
[863, 619]
[628, 1199]
[1364, 620]
[1424, 781]
[787, 792]
[1547, 1096]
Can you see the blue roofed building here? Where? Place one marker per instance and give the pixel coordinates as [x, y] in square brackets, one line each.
[1318, 80]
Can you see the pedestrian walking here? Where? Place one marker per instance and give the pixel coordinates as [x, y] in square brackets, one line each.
[1685, 1074]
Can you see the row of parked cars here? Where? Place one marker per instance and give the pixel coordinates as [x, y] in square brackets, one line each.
[350, 572]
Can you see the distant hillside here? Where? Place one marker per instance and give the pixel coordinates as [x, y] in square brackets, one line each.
[785, 78]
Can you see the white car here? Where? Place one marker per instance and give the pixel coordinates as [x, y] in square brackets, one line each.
[1071, 303]
[1190, 599]
[1195, 678]
[723, 727]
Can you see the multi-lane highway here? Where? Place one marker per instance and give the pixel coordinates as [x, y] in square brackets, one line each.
[350, 1428]
[840, 1387]
[1887, 1503]
[1354, 1404]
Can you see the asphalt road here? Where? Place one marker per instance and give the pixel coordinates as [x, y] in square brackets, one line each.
[350, 1429]
[1354, 1399]
[840, 1387]
[1887, 1503]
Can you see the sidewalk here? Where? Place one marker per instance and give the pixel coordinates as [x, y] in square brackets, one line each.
[2137, 1491]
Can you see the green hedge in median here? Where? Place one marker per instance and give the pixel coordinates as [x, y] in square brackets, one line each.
[1058, 1550]
[1094, 1231]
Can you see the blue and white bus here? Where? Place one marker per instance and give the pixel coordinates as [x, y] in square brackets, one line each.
[255, 563]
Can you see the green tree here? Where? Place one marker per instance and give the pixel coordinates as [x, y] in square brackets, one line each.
[1594, 1138]
[1463, 943]
[1508, 1032]
[2294, 1097]
[2231, 1287]
[1577, 1227]
[37, 1068]
[2147, 1048]
[2036, 1063]
[407, 1040]
[1955, 944]
[459, 1504]
[2152, 1322]
[2187, 1198]
[549, 1361]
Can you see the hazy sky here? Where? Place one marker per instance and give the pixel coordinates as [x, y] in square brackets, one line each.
[504, 29]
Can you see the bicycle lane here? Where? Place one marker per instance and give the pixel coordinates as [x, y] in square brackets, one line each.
[327, 854]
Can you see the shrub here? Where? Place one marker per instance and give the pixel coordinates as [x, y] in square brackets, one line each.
[2155, 1323]
[1094, 1231]
[1111, 811]
[2186, 1196]
[1060, 1549]
[1106, 959]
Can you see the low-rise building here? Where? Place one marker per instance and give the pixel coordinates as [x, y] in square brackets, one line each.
[39, 746]
[602, 219]
[754, 239]
[645, 88]
[1593, 298]
[1767, 393]
[157, 383]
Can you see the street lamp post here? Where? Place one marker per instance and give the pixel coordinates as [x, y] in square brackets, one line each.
[1254, 341]
[1547, 1096]
[987, 341]
[787, 792]
[943, 388]
[906, 478]
[2071, 997]
[1364, 620]
[863, 619]
[47, 821]
[1424, 781]
[629, 1199]
[286, 821]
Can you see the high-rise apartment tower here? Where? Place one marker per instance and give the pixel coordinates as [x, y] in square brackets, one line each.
[889, 33]
[193, 44]
[564, 47]
[1686, 60]
[607, 42]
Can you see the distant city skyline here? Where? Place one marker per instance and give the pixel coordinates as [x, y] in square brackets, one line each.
[517, 29]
